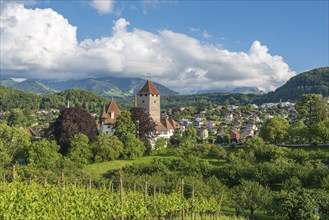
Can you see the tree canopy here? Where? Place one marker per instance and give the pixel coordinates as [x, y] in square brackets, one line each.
[72, 121]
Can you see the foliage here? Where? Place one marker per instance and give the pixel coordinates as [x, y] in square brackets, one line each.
[35, 201]
[295, 204]
[133, 147]
[16, 117]
[250, 195]
[312, 109]
[315, 81]
[124, 125]
[12, 143]
[72, 121]
[42, 160]
[80, 151]
[125, 130]
[107, 147]
[145, 125]
[12, 98]
[275, 130]
[76, 97]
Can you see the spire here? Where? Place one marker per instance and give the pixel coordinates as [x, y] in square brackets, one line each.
[104, 115]
[113, 107]
[149, 88]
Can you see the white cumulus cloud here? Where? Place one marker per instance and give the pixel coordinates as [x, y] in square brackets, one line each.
[103, 6]
[40, 43]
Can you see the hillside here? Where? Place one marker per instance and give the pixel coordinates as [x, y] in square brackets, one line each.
[12, 98]
[108, 87]
[28, 85]
[77, 98]
[313, 81]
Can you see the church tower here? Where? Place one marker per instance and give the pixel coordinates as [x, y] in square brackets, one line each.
[148, 98]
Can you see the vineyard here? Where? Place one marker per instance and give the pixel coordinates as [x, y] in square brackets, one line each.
[23, 200]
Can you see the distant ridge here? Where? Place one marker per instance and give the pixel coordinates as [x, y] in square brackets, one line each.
[107, 87]
[313, 81]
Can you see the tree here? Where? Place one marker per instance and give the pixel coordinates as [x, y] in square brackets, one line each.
[107, 147]
[72, 121]
[297, 131]
[295, 204]
[322, 130]
[125, 130]
[275, 130]
[80, 151]
[145, 126]
[124, 125]
[12, 143]
[250, 195]
[43, 159]
[17, 117]
[311, 109]
[133, 147]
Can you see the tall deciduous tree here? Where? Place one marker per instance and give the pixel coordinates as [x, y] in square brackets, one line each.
[72, 121]
[80, 151]
[312, 109]
[250, 195]
[125, 130]
[12, 142]
[275, 130]
[145, 126]
[107, 147]
[17, 117]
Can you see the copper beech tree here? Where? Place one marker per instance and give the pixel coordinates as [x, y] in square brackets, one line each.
[72, 121]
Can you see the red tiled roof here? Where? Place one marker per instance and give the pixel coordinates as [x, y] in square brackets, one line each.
[167, 124]
[160, 127]
[113, 107]
[149, 88]
[173, 123]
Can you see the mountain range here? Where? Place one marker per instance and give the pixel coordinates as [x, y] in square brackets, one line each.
[107, 87]
[313, 81]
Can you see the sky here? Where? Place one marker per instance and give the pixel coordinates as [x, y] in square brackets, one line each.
[184, 45]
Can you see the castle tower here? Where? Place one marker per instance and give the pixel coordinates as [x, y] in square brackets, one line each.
[148, 98]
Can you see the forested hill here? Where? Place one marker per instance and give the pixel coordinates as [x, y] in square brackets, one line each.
[12, 98]
[313, 81]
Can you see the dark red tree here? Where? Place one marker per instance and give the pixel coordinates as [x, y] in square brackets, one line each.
[145, 126]
[72, 121]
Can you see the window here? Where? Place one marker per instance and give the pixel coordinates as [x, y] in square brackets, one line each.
[155, 101]
[140, 95]
[143, 101]
[145, 94]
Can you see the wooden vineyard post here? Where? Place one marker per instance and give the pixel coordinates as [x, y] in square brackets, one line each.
[89, 183]
[14, 173]
[62, 176]
[182, 189]
[145, 193]
[192, 210]
[121, 193]
[154, 190]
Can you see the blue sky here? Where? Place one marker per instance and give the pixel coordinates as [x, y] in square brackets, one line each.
[186, 45]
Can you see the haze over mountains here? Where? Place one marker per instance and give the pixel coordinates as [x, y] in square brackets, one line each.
[313, 81]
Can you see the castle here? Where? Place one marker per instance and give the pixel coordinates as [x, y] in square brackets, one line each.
[148, 98]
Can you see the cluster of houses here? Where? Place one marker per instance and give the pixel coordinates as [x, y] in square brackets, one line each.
[234, 121]
[231, 120]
